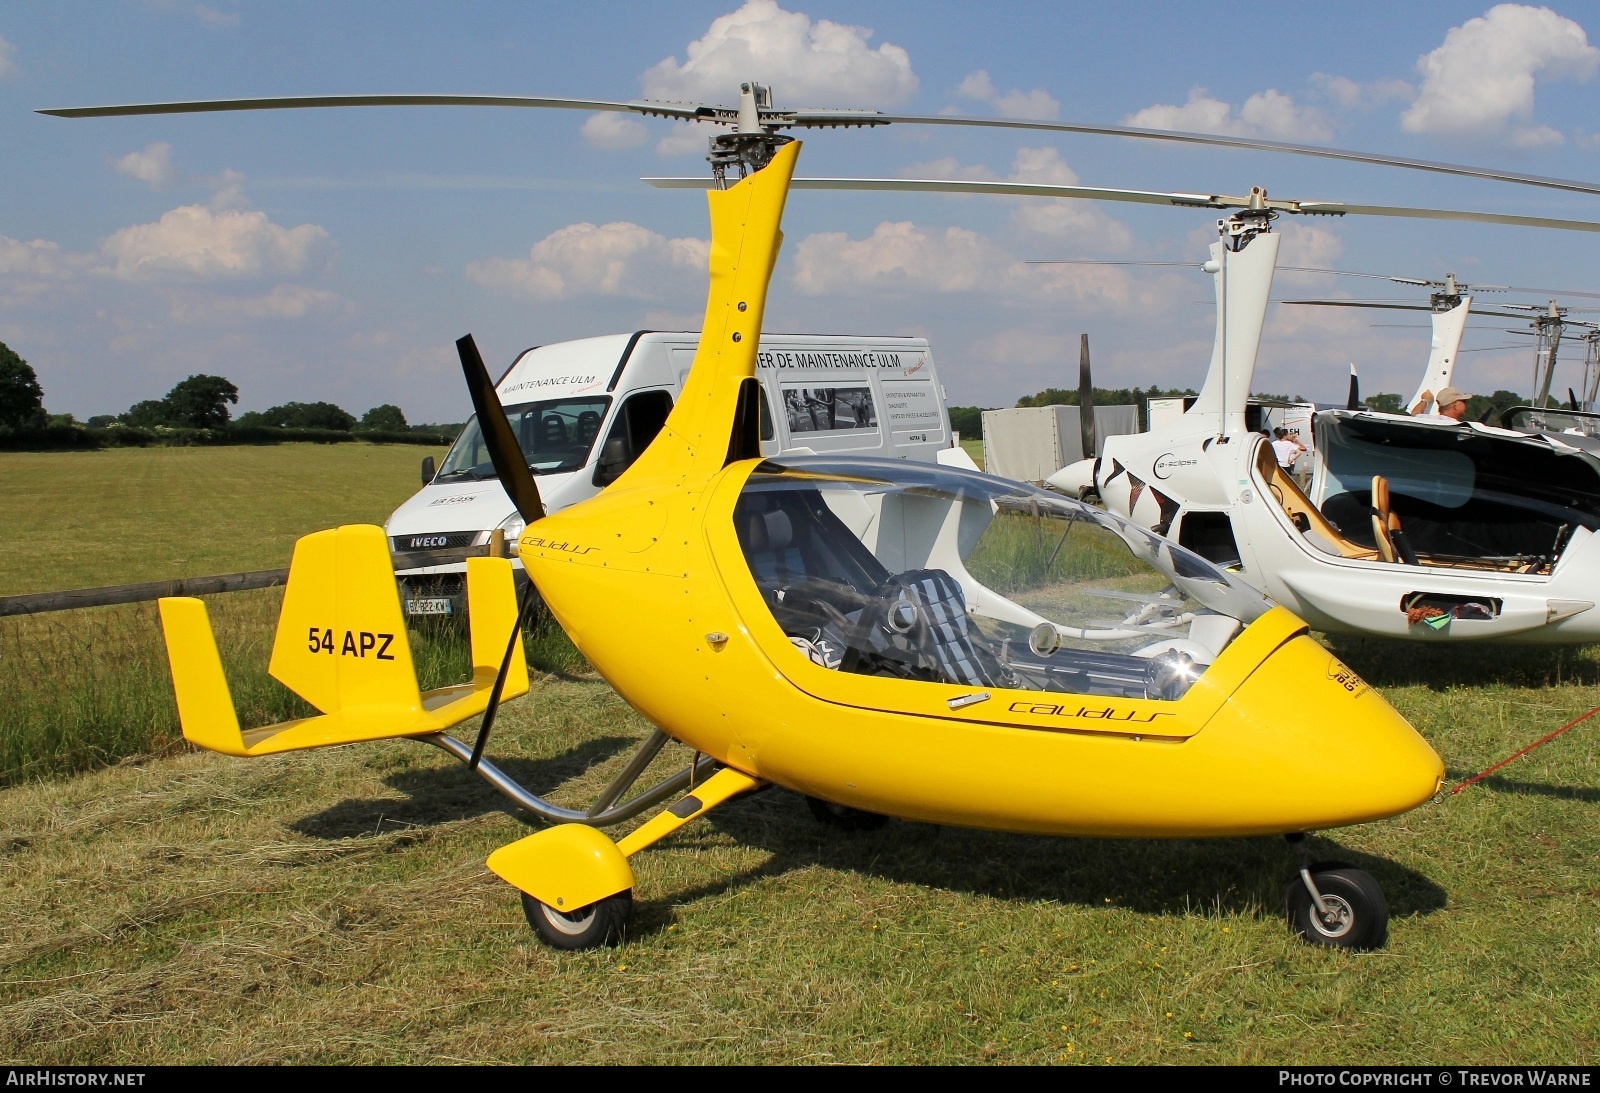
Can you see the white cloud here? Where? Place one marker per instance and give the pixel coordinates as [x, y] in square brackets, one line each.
[283, 302]
[617, 259]
[30, 270]
[818, 64]
[208, 15]
[1269, 114]
[1351, 95]
[8, 59]
[39, 259]
[1064, 218]
[216, 20]
[1015, 103]
[687, 139]
[223, 239]
[152, 165]
[1310, 247]
[612, 130]
[901, 257]
[1483, 75]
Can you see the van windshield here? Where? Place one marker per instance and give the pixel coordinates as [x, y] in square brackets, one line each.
[556, 436]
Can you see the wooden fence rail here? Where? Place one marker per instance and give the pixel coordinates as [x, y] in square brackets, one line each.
[40, 602]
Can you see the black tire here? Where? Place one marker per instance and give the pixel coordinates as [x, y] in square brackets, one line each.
[1360, 914]
[601, 923]
[844, 817]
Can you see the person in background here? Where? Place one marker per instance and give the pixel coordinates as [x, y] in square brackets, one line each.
[1285, 447]
[1451, 403]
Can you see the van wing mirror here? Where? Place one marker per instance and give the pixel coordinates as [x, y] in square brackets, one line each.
[613, 461]
[427, 469]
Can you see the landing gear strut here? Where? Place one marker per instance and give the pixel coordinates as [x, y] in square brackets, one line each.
[1335, 904]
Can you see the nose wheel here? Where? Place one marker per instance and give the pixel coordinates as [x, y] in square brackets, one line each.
[1337, 905]
[590, 927]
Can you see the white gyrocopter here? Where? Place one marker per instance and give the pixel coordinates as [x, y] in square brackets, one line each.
[1416, 527]
[1205, 480]
[1422, 528]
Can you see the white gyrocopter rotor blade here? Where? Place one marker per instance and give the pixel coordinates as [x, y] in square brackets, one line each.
[1396, 305]
[772, 119]
[1255, 202]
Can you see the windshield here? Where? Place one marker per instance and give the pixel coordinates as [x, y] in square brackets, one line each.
[885, 567]
[556, 436]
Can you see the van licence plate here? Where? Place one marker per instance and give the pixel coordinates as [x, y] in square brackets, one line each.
[428, 605]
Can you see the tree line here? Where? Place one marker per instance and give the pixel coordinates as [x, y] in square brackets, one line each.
[196, 411]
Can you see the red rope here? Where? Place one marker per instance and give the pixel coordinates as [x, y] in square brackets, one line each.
[1537, 743]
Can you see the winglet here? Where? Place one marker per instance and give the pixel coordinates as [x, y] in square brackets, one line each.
[491, 592]
[205, 705]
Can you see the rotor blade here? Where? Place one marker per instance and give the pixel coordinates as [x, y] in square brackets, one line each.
[1107, 262]
[504, 451]
[1141, 197]
[1086, 401]
[1339, 207]
[1220, 141]
[302, 102]
[1386, 305]
[1353, 402]
[964, 186]
[820, 119]
[1555, 291]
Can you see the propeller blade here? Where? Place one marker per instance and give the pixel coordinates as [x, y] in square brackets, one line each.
[688, 111]
[1353, 402]
[500, 678]
[1142, 197]
[1086, 401]
[504, 451]
[1220, 141]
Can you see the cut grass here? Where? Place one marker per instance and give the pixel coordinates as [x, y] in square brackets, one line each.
[333, 907]
[124, 515]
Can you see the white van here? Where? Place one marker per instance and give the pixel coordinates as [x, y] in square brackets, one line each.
[585, 409]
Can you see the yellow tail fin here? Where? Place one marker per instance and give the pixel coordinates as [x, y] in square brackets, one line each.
[341, 645]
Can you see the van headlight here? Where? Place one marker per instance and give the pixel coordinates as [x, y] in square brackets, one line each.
[513, 526]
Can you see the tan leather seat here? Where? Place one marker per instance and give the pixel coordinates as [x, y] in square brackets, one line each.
[1298, 507]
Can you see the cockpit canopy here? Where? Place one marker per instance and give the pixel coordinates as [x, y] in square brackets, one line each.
[906, 570]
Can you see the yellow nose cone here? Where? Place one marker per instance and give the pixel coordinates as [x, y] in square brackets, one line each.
[1309, 745]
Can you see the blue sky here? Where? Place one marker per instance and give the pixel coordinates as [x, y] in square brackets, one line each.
[337, 254]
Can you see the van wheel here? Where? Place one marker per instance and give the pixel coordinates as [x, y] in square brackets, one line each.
[844, 817]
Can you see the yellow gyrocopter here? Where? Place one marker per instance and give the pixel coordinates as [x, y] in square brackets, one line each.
[884, 637]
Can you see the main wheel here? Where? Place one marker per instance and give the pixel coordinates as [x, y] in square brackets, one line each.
[1357, 915]
[845, 817]
[600, 923]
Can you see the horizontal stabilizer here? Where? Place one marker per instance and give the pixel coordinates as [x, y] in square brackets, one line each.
[342, 646]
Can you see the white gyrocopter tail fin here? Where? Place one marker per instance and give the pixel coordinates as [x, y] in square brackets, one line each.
[341, 645]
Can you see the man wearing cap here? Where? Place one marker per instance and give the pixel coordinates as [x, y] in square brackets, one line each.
[1451, 403]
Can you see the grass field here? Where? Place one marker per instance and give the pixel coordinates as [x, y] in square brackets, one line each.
[84, 519]
[333, 906]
